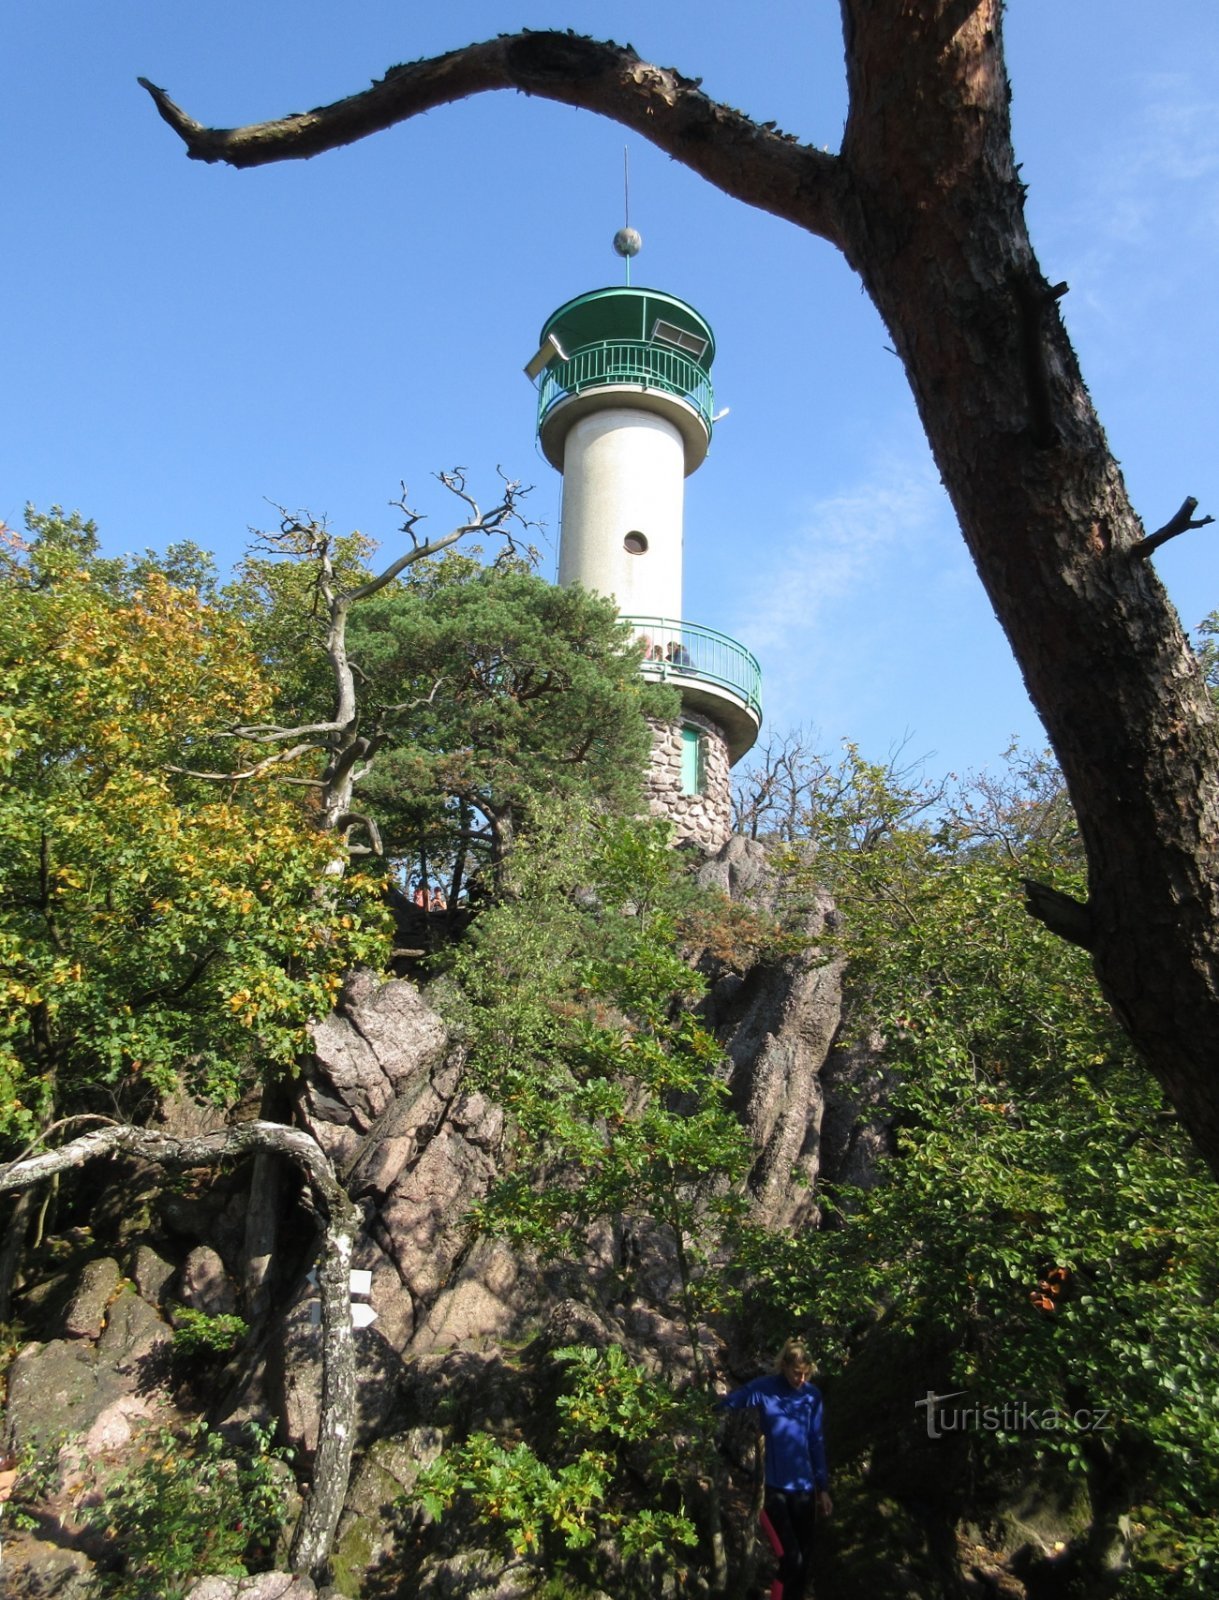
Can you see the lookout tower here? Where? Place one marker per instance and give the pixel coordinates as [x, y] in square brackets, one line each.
[625, 414]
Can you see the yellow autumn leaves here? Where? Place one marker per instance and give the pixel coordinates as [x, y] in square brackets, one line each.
[155, 929]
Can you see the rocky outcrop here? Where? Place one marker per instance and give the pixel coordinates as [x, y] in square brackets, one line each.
[809, 1081]
[858, 1084]
[57, 1391]
[151, 1273]
[205, 1286]
[778, 1023]
[78, 1398]
[86, 1310]
[386, 1095]
[265, 1586]
[380, 1046]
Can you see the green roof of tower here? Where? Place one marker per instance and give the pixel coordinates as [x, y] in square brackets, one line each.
[647, 315]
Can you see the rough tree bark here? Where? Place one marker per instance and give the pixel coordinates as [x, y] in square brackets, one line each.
[925, 202]
[314, 1533]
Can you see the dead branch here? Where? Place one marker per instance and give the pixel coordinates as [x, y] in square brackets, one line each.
[496, 521]
[260, 767]
[413, 705]
[1062, 914]
[760, 165]
[63, 1122]
[350, 819]
[314, 1533]
[272, 733]
[1182, 522]
[348, 751]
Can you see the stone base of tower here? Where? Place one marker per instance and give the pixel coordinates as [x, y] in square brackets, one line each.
[691, 788]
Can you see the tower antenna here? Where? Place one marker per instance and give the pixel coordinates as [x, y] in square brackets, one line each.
[627, 242]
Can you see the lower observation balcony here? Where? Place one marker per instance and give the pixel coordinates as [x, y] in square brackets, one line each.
[717, 677]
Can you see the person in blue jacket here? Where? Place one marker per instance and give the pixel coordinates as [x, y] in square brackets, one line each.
[789, 1412]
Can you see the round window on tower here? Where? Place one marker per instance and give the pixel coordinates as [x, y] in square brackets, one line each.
[634, 544]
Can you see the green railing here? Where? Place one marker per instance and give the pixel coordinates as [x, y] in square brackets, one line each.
[635, 361]
[675, 651]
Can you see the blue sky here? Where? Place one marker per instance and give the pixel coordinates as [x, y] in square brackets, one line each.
[181, 343]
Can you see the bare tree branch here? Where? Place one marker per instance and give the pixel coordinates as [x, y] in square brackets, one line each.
[349, 750]
[62, 1122]
[1062, 914]
[260, 767]
[1181, 522]
[272, 733]
[496, 521]
[368, 823]
[755, 163]
[414, 705]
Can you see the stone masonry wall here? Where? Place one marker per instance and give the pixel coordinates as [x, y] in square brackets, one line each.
[705, 818]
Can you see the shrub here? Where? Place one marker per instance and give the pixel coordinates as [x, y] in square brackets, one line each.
[190, 1507]
[199, 1338]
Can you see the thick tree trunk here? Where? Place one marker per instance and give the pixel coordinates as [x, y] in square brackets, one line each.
[314, 1533]
[926, 203]
[935, 227]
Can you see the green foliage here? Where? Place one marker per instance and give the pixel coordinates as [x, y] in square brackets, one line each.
[29, 1480]
[1207, 651]
[191, 1507]
[279, 603]
[480, 689]
[509, 690]
[513, 1487]
[60, 542]
[613, 1398]
[1042, 1210]
[621, 1437]
[578, 1012]
[200, 1338]
[156, 930]
[576, 1003]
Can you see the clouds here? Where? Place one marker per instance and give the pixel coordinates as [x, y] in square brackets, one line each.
[869, 621]
[835, 550]
[1160, 180]
[1136, 197]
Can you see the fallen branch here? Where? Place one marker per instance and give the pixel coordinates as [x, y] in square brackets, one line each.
[315, 1531]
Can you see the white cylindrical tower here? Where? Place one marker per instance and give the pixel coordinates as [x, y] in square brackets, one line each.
[625, 414]
[623, 492]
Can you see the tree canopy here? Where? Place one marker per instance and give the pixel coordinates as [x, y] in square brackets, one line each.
[519, 691]
[445, 701]
[1041, 1232]
[156, 932]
